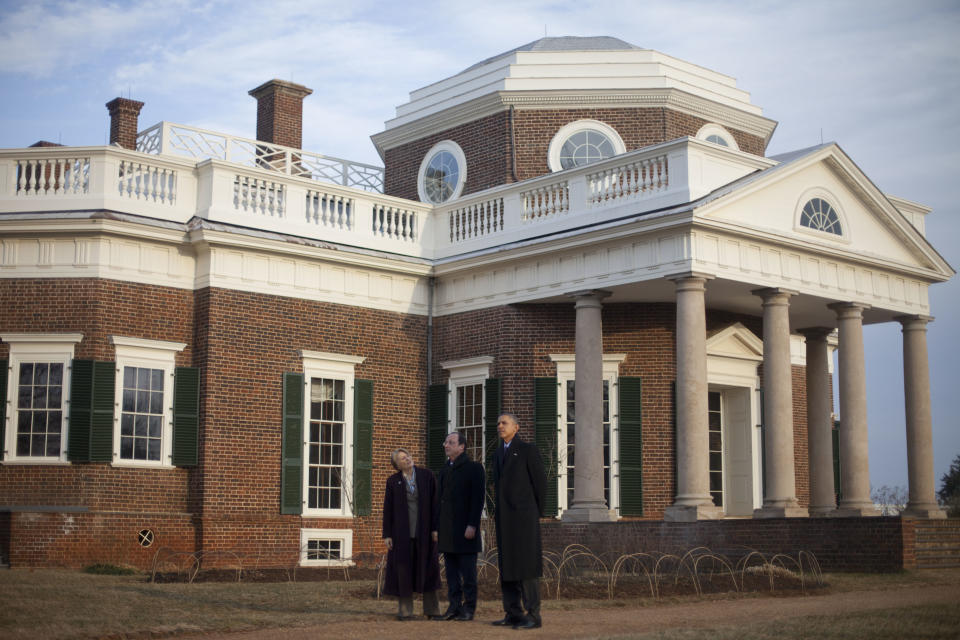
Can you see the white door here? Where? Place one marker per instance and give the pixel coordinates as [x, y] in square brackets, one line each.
[738, 452]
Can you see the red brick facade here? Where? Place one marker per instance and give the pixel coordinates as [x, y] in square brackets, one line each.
[489, 147]
[242, 344]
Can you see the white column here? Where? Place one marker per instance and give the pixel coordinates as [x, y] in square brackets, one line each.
[588, 502]
[780, 500]
[693, 501]
[916, 387]
[854, 452]
[823, 500]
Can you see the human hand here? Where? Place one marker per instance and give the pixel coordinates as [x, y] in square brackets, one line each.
[470, 533]
[389, 543]
[434, 536]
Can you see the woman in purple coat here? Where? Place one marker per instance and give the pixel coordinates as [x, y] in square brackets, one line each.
[410, 515]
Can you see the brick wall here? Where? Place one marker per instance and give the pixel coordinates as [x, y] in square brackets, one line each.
[522, 337]
[486, 143]
[242, 343]
[839, 544]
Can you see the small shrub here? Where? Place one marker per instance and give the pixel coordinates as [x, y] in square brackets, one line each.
[104, 569]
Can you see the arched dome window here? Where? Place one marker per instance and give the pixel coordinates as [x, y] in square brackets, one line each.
[582, 142]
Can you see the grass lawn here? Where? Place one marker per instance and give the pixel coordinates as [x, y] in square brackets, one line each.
[71, 604]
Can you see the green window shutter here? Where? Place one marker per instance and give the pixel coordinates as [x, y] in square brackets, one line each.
[91, 411]
[81, 395]
[3, 404]
[493, 400]
[630, 446]
[835, 436]
[362, 446]
[186, 415]
[104, 399]
[493, 405]
[545, 435]
[291, 475]
[436, 425]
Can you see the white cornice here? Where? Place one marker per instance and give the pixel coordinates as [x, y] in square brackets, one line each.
[676, 99]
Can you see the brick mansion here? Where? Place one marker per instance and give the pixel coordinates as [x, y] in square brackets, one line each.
[211, 343]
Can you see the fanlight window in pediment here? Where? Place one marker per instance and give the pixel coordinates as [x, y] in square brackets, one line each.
[818, 215]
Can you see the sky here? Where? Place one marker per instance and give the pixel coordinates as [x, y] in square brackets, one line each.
[881, 78]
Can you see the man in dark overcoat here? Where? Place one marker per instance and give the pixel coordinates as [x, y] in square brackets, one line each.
[462, 487]
[413, 565]
[519, 492]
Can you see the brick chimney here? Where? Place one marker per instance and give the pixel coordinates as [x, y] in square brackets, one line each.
[123, 121]
[280, 112]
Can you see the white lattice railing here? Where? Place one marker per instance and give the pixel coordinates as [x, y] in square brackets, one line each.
[166, 138]
[52, 176]
[635, 178]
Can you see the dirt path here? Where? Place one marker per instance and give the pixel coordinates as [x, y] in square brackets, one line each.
[613, 621]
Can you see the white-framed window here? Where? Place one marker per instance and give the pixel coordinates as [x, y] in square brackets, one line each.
[328, 434]
[326, 547]
[582, 142]
[566, 401]
[38, 392]
[717, 135]
[143, 419]
[818, 213]
[443, 172]
[467, 401]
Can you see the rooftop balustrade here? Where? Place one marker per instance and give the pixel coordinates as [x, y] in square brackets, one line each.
[274, 196]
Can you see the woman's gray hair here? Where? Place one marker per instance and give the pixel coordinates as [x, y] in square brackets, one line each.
[393, 456]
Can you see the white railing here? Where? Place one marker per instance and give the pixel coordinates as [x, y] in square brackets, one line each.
[177, 189]
[52, 176]
[476, 219]
[142, 181]
[545, 201]
[633, 179]
[167, 138]
[257, 195]
[329, 210]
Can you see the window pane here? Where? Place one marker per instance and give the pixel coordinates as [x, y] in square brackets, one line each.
[40, 373]
[129, 400]
[26, 373]
[140, 449]
[126, 424]
[129, 377]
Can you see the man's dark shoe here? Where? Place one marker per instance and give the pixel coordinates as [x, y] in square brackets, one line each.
[437, 617]
[529, 623]
[450, 614]
[464, 616]
[506, 622]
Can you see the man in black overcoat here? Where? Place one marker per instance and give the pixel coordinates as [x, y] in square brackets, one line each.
[519, 492]
[461, 504]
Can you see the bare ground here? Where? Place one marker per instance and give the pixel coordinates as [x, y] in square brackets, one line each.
[593, 620]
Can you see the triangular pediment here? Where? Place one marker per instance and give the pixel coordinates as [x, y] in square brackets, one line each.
[770, 203]
[736, 341]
